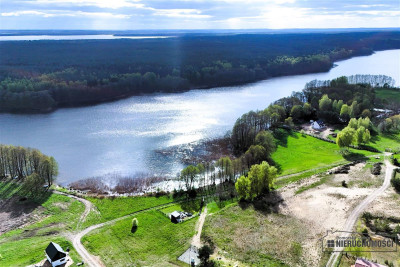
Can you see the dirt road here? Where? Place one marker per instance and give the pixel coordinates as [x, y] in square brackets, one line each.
[196, 238]
[87, 203]
[355, 214]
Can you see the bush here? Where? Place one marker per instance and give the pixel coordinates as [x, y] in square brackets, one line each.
[396, 181]
[204, 256]
[376, 169]
[135, 225]
[367, 217]
[344, 184]
[365, 232]
[382, 225]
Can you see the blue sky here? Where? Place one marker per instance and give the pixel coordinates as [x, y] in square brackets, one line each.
[197, 14]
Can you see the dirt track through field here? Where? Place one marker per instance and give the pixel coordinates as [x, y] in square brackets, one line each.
[355, 214]
[196, 238]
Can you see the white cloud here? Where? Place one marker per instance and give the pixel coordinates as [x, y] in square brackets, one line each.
[180, 13]
[113, 4]
[26, 12]
[368, 6]
[62, 13]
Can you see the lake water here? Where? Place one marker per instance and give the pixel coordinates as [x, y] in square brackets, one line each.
[72, 37]
[122, 136]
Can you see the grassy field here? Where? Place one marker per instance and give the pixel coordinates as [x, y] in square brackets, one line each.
[296, 153]
[281, 182]
[384, 142]
[391, 95]
[157, 241]
[26, 251]
[256, 238]
[110, 208]
[51, 217]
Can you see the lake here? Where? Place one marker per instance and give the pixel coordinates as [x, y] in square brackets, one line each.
[121, 137]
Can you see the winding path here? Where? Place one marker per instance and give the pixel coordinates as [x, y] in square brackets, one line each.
[355, 214]
[89, 259]
[88, 205]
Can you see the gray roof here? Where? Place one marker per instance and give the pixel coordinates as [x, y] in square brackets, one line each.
[55, 252]
[175, 214]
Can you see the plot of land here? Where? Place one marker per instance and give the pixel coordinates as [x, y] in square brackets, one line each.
[49, 220]
[256, 238]
[157, 241]
[298, 153]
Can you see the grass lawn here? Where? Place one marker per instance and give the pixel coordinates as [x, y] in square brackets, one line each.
[26, 251]
[216, 206]
[170, 209]
[255, 238]
[298, 153]
[157, 241]
[387, 141]
[388, 94]
[111, 208]
[51, 216]
[281, 182]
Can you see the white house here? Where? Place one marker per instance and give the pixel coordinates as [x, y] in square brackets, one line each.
[55, 254]
[176, 217]
[318, 125]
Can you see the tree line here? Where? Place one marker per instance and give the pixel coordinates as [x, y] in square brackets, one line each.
[254, 135]
[35, 76]
[28, 166]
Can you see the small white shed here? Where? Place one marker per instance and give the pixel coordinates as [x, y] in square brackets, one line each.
[55, 254]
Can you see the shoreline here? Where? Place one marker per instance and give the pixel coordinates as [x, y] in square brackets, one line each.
[205, 87]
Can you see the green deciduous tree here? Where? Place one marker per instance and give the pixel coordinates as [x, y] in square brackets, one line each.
[346, 137]
[266, 140]
[325, 103]
[345, 112]
[259, 180]
[297, 112]
[188, 176]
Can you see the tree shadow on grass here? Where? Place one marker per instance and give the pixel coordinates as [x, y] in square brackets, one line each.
[272, 162]
[20, 200]
[281, 136]
[267, 204]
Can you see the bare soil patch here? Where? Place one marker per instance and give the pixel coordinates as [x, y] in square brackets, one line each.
[15, 213]
[327, 206]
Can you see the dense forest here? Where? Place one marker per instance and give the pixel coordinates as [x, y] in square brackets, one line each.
[37, 76]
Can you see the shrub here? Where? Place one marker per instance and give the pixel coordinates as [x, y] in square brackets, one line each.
[344, 184]
[135, 225]
[365, 232]
[367, 217]
[204, 255]
[382, 225]
[376, 169]
[396, 182]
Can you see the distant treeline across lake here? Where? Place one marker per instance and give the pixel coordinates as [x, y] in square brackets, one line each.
[38, 76]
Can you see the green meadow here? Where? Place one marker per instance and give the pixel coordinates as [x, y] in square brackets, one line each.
[156, 242]
[297, 153]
